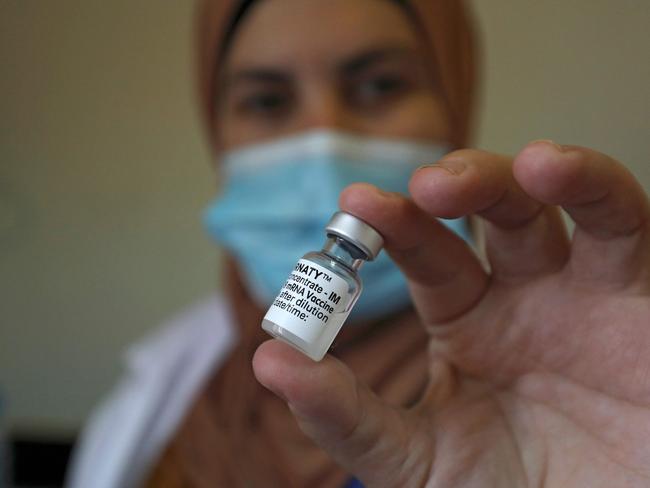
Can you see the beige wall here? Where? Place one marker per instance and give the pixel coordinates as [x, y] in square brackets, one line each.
[575, 71]
[103, 169]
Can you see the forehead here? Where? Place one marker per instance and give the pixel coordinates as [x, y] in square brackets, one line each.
[299, 32]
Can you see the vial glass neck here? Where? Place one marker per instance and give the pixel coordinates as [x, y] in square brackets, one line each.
[344, 252]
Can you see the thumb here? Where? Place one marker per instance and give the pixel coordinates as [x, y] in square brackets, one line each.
[370, 439]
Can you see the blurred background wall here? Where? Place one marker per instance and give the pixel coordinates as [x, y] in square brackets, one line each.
[103, 173]
[104, 169]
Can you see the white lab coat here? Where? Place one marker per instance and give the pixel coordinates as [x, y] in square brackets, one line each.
[125, 435]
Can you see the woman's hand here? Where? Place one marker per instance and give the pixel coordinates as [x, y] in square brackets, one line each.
[540, 368]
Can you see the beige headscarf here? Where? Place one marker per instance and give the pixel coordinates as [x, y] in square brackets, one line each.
[238, 434]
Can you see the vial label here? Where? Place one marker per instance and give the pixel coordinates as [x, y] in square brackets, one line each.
[311, 299]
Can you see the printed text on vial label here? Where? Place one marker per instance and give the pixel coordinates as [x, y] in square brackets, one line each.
[307, 296]
[313, 300]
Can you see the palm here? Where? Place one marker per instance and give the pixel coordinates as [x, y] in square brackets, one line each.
[540, 372]
[519, 410]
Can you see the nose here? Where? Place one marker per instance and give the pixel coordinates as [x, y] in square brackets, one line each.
[324, 109]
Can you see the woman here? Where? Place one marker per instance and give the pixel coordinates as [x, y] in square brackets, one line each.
[532, 374]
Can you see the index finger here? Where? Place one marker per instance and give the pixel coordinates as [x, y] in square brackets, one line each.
[445, 277]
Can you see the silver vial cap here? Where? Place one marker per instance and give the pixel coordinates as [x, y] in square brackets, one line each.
[357, 232]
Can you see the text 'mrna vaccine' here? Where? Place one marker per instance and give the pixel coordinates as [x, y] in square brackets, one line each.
[323, 287]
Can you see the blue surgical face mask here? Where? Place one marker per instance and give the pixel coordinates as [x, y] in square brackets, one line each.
[278, 196]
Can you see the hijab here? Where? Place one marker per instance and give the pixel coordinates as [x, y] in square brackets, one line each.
[238, 434]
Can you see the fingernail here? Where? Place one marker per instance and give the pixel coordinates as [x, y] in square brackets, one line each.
[384, 193]
[452, 166]
[548, 141]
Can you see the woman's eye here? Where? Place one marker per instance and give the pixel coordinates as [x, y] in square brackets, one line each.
[378, 89]
[265, 104]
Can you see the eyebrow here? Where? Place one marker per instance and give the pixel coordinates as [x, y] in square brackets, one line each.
[260, 75]
[363, 61]
[353, 66]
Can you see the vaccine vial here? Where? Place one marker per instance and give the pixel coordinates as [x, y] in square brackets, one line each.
[323, 287]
